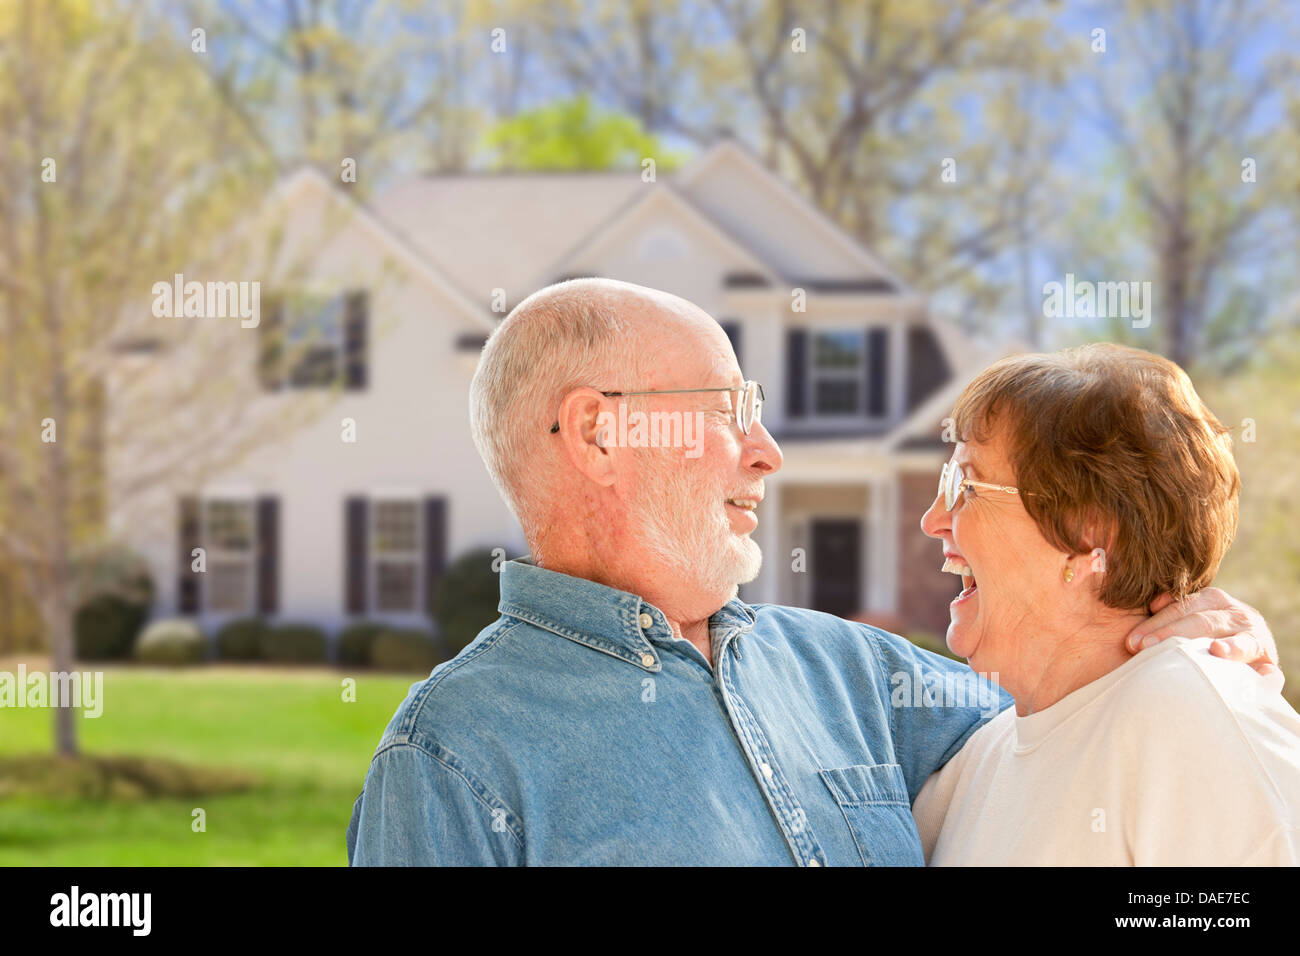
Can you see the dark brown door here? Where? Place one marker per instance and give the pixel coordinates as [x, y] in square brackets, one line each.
[836, 566]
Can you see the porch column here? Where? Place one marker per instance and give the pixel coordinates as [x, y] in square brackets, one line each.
[881, 565]
[766, 588]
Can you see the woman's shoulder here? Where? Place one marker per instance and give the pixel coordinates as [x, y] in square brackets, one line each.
[1218, 746]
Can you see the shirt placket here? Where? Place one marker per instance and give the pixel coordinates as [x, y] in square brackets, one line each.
[790, 816]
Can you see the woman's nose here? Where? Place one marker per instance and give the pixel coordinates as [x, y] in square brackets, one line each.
[935, 520]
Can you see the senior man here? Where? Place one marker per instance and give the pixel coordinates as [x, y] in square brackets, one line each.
[626, 708]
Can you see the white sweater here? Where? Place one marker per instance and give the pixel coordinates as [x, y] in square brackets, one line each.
[1176, 758]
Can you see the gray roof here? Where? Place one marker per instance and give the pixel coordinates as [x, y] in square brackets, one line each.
[486, 231]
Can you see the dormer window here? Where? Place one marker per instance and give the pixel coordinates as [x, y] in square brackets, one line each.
[313, 336]
[837, 375]
[316, 341]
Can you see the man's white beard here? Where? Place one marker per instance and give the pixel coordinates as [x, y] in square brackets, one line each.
[688, 529]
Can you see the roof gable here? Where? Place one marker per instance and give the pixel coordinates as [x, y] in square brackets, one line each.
[309, 180]
[664, 199]
[499, 231]
[781, 226]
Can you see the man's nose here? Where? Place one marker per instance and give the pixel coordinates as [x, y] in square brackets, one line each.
[935, 520]
[761, 450]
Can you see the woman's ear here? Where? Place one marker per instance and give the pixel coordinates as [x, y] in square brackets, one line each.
[1098, 537]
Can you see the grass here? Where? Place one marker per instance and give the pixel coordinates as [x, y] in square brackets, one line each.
[284, 734]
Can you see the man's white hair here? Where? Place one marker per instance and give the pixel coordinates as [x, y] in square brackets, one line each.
[568, 335]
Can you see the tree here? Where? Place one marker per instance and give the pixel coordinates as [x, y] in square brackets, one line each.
[1198, 180]
[573, 135]
[858, 104]
[388, 84]
[120, 169]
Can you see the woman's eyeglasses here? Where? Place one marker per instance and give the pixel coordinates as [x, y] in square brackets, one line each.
[749, 409]
[952, 480]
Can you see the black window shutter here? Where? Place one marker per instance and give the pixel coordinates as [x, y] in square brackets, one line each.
[270, 329]
[877, 366]
[927, 366]
[435, 547]
[355, 541]
[796, 359]
[187, 583]
[355, 340]
[732, 328]
[268, 554]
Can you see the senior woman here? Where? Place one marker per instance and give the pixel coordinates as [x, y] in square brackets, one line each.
[1087, 482]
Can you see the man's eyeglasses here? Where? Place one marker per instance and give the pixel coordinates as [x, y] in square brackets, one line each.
[748, 409]
[952, 480]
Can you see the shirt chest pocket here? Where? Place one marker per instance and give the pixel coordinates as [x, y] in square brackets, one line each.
[874, 801]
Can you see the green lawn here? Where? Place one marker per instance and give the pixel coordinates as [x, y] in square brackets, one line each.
[308, 749]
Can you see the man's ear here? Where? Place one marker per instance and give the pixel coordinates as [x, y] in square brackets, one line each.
[588, 432]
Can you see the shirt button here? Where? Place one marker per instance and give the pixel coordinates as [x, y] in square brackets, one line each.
[648, 660]
[767, 770]
[645, 620]
[813, 863]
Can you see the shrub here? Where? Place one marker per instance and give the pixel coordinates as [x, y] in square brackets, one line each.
[296, 643]
[105, 627]
[356, 643]
[171, 641]
[405, 650]
[241, 640]
[466, 600]
[118, 571]
[118, 592]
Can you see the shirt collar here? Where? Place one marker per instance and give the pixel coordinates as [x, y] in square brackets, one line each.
[598, 616]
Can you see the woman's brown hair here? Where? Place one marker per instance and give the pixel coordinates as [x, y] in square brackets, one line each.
[1115, 450]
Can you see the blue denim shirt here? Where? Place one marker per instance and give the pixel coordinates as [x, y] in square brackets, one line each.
[578, 730]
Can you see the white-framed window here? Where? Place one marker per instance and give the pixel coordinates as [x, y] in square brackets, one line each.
[836, 373]
[396, 556]
[314, 339]
[229, 536]
[847, 375]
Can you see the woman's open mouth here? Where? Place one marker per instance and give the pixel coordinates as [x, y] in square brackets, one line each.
[955, 564]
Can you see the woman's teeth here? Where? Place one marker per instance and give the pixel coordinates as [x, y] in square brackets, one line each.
[957, 566]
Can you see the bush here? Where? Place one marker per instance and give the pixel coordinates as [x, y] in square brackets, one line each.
[118, 571]
[405, 650]
[293, 643]
[118, 592]
[356, 643]
[466, 600]
[171, 641]
[105, 627]
[241, 640]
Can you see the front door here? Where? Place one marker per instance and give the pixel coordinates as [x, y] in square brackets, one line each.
[836, 566]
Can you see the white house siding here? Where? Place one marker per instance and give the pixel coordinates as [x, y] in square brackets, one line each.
[413, 436]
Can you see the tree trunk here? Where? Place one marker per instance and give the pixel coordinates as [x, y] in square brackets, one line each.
[58, 630]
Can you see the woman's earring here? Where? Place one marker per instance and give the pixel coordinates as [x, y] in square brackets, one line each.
[1068, 575]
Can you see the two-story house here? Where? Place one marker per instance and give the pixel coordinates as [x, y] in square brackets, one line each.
[402, 292]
